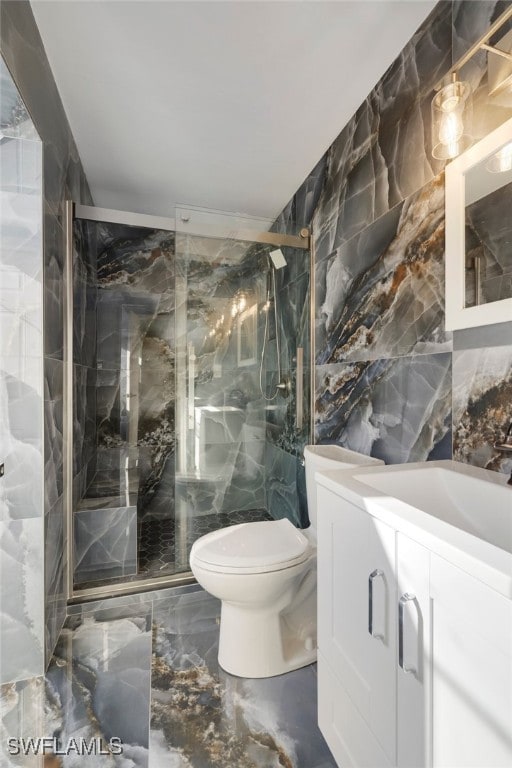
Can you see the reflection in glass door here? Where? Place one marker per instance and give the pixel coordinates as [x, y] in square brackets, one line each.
[185, 380]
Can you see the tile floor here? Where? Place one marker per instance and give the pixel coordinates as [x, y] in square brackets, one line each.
[144, 668]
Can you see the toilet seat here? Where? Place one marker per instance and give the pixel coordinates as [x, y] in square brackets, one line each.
[271, 545]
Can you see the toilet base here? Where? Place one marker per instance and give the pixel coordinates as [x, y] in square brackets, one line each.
[263, 642]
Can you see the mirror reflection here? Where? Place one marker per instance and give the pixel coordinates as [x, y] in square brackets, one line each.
[488, 229]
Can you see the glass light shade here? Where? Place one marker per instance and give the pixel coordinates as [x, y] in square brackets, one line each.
[501, 161]
[451, 120]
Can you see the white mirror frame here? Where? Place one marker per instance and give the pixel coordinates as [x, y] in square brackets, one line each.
[457, 315]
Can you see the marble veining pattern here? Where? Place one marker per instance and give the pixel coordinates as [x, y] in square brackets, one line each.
[397, 409]
[285, 486]
[21, 716]
[378, 224]
[382, 293]
[471, 20]
[53, 286]
[381, 156]
[54, 586]
[482, 405]
[21, 438]
[157, 654]
[53, 431]
[98, 665]
[35, 116]
[105, 541]
[21, 599]
[201, 717]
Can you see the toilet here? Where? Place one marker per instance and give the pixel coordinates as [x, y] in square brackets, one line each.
[264, 573]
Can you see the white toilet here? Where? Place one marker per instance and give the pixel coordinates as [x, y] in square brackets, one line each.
[265, 575]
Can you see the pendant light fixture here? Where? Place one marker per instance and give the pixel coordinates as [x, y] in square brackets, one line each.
[452, 104]
[451, 119]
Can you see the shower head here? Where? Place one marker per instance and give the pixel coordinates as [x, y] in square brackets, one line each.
[278, 260]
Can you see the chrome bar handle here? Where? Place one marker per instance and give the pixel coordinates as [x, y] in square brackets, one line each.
[299, 390]
[373, 575]
[407, 597]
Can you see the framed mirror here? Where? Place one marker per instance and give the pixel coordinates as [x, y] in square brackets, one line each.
[479, 233]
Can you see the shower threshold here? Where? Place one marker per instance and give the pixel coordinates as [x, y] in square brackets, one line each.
[156, 559]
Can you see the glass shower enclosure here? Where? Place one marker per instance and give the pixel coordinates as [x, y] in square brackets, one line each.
[181, 336]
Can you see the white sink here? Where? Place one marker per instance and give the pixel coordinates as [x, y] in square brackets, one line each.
[451, 507]
[470, 503]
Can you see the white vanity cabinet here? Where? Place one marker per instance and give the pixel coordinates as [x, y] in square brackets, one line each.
[369, 578]
[356, 624]
[414, 654]
[472, 671]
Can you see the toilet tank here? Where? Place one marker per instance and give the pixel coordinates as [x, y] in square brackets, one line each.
[320, 458]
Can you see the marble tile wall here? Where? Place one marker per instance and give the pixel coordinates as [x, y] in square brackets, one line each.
[285, 442]
[21, 391]
[62, 178]
[85, 298]
[135, 357]
[124, 385]
[385, 370]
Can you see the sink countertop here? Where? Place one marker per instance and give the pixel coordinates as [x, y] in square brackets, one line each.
[475, 535]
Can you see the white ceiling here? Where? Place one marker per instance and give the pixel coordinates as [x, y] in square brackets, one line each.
[227, 105]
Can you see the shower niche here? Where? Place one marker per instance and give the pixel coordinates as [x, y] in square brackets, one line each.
[178, 425]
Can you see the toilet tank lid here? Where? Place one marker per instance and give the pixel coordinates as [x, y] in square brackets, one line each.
[266, 543]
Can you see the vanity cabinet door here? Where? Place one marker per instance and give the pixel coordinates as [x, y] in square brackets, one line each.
[357, 616]
[413, 668]
[472, 671]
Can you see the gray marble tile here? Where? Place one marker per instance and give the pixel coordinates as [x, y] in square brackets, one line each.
[498, 334]
[397, 410]
[282, 497]
[105, 542]
[382, 155]
[22, 717]
[472, 20]
[482, 410]
[299, 211]
[54, 247]
[84, 416]
[53, 434]
[21, 599]
[15, 121]
[382, 293]
[98, 686]
[55, 596]
[21, 403]
[202, 717]
[21, 316]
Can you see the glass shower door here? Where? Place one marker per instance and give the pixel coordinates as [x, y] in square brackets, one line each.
[180, 342]
[239, 447]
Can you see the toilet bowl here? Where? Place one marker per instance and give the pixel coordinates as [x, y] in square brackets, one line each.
[264, 573]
